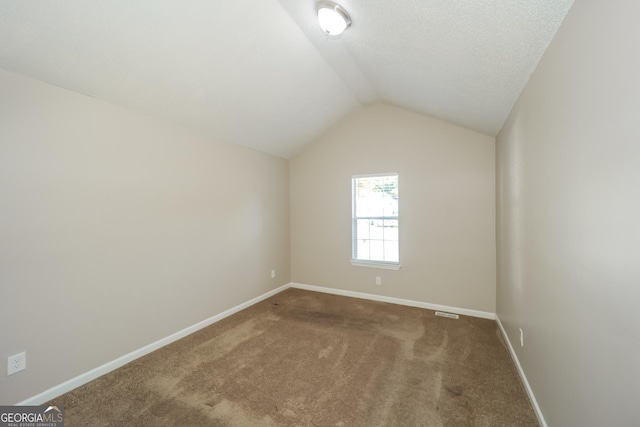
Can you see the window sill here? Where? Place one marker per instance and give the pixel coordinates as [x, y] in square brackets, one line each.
[373, 264]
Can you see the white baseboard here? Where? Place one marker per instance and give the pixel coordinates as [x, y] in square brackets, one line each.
[82, 379]
[91, 375]
[410, 303]
[523, 377]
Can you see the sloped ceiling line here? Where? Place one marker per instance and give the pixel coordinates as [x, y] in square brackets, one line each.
[262, 74]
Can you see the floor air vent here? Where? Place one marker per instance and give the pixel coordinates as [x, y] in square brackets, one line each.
[449, 315]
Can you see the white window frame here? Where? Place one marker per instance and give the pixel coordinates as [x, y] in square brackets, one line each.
[389, 265]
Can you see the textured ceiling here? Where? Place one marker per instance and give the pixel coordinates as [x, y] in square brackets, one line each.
[463, 61]
[263, 75]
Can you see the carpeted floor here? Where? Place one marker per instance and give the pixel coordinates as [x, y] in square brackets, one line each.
[303, 358]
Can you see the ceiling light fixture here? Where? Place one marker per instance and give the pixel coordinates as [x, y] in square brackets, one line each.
[333, 19]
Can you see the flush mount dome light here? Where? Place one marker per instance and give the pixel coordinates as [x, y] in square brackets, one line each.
[333, 19]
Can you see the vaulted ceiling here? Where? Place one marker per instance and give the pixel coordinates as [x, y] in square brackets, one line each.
[261, 73]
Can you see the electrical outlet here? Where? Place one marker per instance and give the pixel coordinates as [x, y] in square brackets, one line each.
[521, 338]
[16, 363]
[273, 274]
[378, 280]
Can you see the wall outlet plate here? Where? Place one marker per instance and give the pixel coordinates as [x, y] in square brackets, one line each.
[16, 363]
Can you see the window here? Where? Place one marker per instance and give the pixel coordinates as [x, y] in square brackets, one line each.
[375, 221]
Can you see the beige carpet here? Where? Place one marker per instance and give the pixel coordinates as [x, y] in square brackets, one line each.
[303, 358]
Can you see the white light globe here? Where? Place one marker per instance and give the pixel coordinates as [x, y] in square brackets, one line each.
[332, 19]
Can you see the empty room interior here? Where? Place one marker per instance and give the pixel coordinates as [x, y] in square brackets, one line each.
[302, 212]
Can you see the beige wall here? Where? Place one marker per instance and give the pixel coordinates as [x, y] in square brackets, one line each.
[447, 211]
[569, 220]
[117, 230]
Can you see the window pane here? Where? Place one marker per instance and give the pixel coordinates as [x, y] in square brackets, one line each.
[391, 229]
[362, 190]
[376, 229]
[376, 196]
[391, 251]
[362, 251]
[363, 229]
[376, 251]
